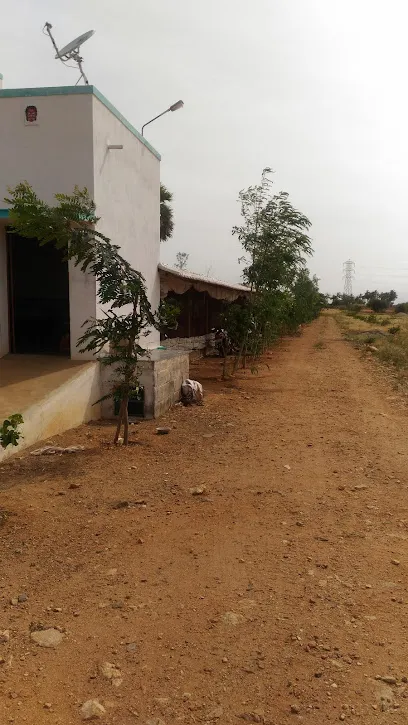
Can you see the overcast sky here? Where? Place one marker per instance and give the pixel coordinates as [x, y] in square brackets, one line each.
[316, 89]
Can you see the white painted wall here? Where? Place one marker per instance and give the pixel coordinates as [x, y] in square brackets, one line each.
[127, 195]
[53, 156]
[4, 321]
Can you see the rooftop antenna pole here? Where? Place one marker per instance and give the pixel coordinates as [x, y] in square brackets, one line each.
[70, 51]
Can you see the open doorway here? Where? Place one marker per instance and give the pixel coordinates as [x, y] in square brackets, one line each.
[38, 297]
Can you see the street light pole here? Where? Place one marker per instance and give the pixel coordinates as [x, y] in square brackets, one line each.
[174, 107]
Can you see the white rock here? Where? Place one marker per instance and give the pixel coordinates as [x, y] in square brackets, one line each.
[111, 672]
[47, 637]
[92, 709]
[198, 491]
[232, 618]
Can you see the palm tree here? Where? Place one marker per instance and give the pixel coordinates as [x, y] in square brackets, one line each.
[166, 214]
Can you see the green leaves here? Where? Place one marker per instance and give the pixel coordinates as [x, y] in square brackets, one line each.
[127, 315]
[166, 214]
[9, 430]
[275, 238]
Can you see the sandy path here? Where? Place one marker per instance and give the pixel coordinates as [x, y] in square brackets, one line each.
[302, 556]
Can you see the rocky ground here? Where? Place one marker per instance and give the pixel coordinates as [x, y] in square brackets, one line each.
[248, 567]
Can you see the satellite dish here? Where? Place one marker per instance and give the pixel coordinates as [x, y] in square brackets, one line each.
[74, 45]
[71, 51]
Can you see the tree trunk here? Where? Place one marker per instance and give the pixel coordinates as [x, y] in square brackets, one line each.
[119, 424]
[126, 422]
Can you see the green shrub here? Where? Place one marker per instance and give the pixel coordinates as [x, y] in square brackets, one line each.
[378, 305]
[9, 430]
[394, 355]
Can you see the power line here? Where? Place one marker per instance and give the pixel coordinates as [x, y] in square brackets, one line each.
[348, 276]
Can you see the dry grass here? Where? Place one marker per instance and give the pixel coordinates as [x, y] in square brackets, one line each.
[387, 342]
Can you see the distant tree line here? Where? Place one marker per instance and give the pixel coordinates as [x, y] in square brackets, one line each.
[374, 300]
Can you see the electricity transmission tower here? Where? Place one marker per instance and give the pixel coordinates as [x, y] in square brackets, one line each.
[348, 276]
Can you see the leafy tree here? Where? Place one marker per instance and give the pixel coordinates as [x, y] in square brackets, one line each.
[307, 300]
[117, 337]
[181, 260]
[377, 304]
[374, 298]
[166, 214]
[275, 239]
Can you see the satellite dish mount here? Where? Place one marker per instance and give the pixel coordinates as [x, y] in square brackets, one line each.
[71, 51]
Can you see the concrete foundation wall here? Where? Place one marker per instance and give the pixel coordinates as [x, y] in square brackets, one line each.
[162, 377]
[68, 406]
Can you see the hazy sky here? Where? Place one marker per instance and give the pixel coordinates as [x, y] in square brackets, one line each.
[316, 89]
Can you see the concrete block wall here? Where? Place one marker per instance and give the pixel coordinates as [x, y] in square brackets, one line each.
[162, 377]
[189, 343]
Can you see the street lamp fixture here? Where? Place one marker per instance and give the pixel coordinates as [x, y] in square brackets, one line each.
[175, 107]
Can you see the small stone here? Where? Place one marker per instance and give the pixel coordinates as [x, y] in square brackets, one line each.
[155, 721]
[288, 468]
[74, 486]
[215, 714]
[186, 696]
[47, 637]
[163, 431]
[14, 601]
[92, 709]
[252, 717]
[389, 680]
[131, 647]
[208, 435]
[232, 618]
[5, 636]
[360, 487]
[121, 505]
[162, 701]
[47, 705]
[342, 716]
[198, 491]
[295, 709]
[111, 672]
[396, 562]
[118, 605]
[22, 597]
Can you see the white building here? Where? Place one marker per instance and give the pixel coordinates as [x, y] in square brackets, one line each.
[56, 138]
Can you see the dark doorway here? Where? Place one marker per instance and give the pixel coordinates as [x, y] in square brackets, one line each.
[38, 297]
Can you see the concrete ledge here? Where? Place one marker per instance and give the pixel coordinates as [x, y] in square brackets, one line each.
[65, 407]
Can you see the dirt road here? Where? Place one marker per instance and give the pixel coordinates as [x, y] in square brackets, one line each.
[278, 595]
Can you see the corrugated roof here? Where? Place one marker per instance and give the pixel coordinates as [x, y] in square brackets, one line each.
[192, 277]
